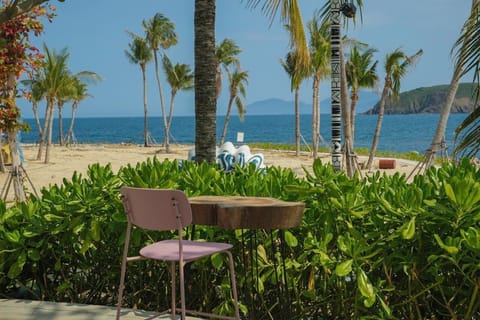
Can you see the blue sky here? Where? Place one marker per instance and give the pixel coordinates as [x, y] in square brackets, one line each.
[94, 31]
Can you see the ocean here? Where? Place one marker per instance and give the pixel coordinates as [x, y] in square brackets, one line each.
[400, 133]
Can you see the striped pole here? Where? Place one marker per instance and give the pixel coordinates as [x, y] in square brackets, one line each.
[335, 86]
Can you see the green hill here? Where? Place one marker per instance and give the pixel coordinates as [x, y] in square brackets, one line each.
[429, 100]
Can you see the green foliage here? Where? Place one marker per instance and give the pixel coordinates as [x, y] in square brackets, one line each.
[375, 247]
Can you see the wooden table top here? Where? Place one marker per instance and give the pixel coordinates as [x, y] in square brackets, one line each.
[237, 212]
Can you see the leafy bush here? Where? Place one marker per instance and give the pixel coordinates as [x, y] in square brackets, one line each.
[375, 247]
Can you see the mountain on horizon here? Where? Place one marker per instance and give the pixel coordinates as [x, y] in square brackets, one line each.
[275, 106]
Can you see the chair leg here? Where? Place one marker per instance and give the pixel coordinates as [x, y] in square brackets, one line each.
[123, 271]
[173, 290]
[181, 265]
[234, 284]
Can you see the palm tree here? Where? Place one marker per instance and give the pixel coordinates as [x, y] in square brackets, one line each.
[237, 81]
[320, 60]
[396, 66]
[361, 72]
[226, 54]
[64, 96]
[80, 94]
[160, 33]
[468, 59]
[140, 54]
[205, 86]
[180, 77]
[297, 75]
[52, 79]
[291, 16]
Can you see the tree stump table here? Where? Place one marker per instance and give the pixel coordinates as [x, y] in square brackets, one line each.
[235, 212]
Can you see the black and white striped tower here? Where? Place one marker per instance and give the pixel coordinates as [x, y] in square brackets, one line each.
[336, 83]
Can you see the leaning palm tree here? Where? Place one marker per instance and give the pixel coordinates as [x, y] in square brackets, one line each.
[396, 66]
[80, 94]
[320, 68]
[361, 72]
[226, 54]
[180, 77]
[468, 59]
[205, 87]
[160, 34]
[297, 75]
[237, 80]
[139, 53]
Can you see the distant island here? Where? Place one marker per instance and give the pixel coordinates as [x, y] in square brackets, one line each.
[429, 100]
[420, 100]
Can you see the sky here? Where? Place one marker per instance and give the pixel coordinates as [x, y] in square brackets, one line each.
[95, 34]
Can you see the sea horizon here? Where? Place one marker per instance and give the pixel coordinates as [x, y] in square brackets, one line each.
[400, 133]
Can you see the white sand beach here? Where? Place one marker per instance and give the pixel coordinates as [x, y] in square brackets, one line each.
[64, 161]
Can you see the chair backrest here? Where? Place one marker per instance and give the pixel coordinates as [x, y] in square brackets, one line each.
[156, 209]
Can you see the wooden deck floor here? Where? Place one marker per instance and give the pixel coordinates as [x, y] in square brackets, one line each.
[43, 310]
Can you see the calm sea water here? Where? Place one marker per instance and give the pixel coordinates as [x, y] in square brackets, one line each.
[400, 133]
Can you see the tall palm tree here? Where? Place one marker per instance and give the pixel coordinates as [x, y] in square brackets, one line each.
[205, 86]
[297, 75]
[160, 34]
[237, 80]
[180, 77]
[139, 53]
[226, 54]
[320, 68]
[361, 72]
[468, 59]
[396, 65]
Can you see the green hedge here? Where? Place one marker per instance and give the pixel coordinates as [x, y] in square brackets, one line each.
[370, 248]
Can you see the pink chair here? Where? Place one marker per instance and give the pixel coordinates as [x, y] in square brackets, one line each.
[159, 209]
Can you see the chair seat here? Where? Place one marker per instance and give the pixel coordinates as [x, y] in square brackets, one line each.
[168, 250]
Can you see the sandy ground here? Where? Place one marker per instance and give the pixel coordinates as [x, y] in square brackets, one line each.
[64, 161]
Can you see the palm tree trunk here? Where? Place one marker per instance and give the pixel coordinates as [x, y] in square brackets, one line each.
[37, 118]
[353, 108]
[297, 121]
[145, 110]
[205, 89]
[50, 129]
[43, 132]
[160, 90]
[60, 123]
[347, 129]
[378, 127]
[72, 121]
[315, 117]
[227, 119]
[169, 123]
[442, 121]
